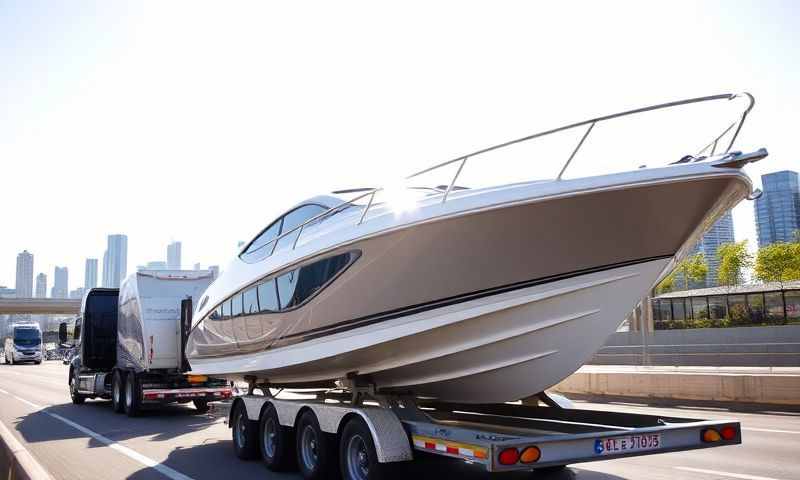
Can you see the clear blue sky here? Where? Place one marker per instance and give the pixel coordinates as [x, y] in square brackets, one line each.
[200, 123]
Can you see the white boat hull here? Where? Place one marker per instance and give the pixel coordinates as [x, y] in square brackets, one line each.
[498, 348]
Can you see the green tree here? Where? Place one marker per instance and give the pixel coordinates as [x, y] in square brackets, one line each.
[734, 259]
[693, 269]
[779, 262]
[666, 285]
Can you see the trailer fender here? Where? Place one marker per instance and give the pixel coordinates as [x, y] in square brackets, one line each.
[391, 440]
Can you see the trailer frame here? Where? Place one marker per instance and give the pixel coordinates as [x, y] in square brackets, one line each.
[553, 436]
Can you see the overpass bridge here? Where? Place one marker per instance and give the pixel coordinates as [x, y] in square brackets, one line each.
[39, 306]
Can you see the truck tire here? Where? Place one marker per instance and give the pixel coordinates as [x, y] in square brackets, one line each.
[201, 406]
[244, 432]
[133, 394]
[316, 453]
[76, 397]
[276, 442]
[357, 456]
[118, 392]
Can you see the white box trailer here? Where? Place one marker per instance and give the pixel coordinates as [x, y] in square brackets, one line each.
[149, 318]
[130, 344]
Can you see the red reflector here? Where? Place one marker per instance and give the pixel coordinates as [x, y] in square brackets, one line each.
[430, 446]
[509, 456]
[452, 450]
[728, 433]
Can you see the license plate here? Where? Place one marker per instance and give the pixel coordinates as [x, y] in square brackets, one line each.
[626, 444]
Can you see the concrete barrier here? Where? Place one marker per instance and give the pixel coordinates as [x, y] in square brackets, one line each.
[778, 386]
[16, 463]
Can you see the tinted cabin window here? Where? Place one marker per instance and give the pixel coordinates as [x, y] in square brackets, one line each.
[286, 285]
[216, 314]
[262, 245]
[297, 286]
[268, 296]
[294, 219]
[250, 301]
[236, 305]
[226, 310]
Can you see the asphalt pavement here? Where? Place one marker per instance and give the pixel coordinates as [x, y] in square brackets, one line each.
[91, 442]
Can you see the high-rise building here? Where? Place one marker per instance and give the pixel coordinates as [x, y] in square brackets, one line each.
[721, 232]
[24, 284]
[90, 274]
[214, 271]
[77, 293]
[60, 283]
[115, 261]
[778, 208]
[174, 256]
[41, 285]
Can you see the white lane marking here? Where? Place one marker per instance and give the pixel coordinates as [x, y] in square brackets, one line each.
[769, 430]
[130, 453]
[741, 476]
[3, 391]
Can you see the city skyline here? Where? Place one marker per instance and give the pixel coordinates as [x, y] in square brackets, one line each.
[60, 288]
[778, 209]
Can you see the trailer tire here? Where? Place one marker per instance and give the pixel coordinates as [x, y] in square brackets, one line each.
[316, 452]
[276, 442]
[133, 394]
[244, 432]
[201, 405]
[117, 392]
[357, 455]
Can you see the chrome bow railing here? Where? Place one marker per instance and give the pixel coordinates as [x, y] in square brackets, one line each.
[462, 160]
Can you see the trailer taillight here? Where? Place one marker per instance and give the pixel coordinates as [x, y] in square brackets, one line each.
[196, 378]
[728, 432]
[710, 435]
[509, 456]
[530, 455]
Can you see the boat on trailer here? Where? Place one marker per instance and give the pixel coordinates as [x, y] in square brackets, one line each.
[465, 295]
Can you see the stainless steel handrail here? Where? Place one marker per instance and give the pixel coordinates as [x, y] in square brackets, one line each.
[590, 122]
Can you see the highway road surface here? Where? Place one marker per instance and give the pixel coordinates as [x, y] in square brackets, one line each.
[91, 442]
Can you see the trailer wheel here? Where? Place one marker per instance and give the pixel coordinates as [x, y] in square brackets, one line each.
[76, 397]
[245, 433]
[357, 455]
[201, 405]
[133, 394]
[277, 442]
[316, 453]
[117, 392]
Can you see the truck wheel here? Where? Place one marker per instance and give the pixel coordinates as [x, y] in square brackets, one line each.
[277, 442]
[201, 406]
[245, 433]
[117, 392]
[133, 395]
[357, 455]
[77, 398]
[316, 454]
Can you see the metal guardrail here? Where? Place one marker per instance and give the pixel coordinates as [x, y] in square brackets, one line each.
[590, 123]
